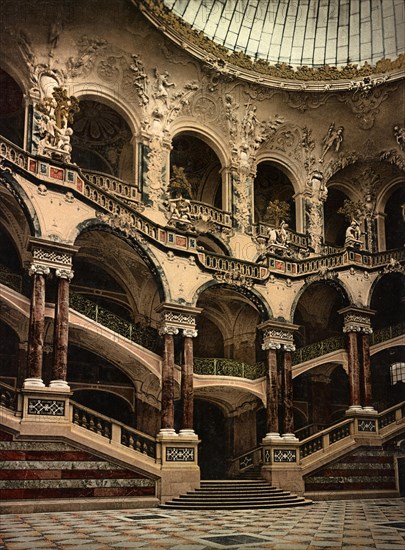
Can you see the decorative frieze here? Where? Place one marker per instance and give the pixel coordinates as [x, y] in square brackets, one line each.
[357, 320]
[278, 335]
[175, 318]
[47, 255]
[367, 426]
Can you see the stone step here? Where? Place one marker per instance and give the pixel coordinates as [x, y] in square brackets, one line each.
[234, 495]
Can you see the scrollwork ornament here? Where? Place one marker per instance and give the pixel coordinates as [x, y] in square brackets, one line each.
[190, 333]
[64, 274]
[168, 329]
[38, 269]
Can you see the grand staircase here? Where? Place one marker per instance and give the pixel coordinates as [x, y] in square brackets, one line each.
[235, 495]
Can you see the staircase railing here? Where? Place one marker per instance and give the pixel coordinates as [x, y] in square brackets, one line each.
[8, 397]
[113, 430]
[245, 462]
[324, 439]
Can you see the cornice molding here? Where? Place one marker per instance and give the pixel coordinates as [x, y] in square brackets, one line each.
[237, 65]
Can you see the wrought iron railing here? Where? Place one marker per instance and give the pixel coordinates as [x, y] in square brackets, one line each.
[387, 333]
[10, 279]
[8, 397]
[228, 367]
[138, 441]
[144, 336]
[317, 349]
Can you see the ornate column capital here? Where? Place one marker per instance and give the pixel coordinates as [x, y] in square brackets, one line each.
[38, 269]
[357, 319]
[175, 318]
[64, 274]
[53, 255]
[278, 335]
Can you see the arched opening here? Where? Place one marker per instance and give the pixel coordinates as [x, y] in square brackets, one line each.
[210, 425]
[395, 219]
[106, 403]
[227, 326]
[273, 196]
[113, 276]
[388, 301]
[101, 140]
[11, 109]
[9, 360]
[317, 313]
[335, 222]
[202, 168]
[388, 377]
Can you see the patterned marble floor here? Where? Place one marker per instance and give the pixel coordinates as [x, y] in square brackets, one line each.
[360, 525]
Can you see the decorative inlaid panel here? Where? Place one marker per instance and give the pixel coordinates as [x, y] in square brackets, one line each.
[46, 407]
[367, 426]
[179, 454]
[285, 455]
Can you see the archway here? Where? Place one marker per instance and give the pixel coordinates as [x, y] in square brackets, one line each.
[9, 360]
[395, 219]
[335, 222]
[202, 168]
[210, 425]
[271, 185]
[106, 403]
[388, 300]
[11, 109]
[101, 140]
[317, 313]
[388, 377]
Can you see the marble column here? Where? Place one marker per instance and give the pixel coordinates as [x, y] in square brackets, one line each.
[354, 371]
[366, 372]
[288, 419]
[272, 393]
[61, 331]
[167, 419]
[187, 391]
[36, 328]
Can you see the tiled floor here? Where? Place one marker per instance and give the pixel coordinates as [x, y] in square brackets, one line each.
[360, 525]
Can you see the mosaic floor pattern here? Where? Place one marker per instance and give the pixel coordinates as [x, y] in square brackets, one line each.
[352, 525]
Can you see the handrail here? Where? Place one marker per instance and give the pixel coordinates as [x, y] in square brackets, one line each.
[209, 213]
[8, 396]
[104, 426]
[318, 349]
[344, 428]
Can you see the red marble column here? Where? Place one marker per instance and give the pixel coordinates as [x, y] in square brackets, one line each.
[288, 421]
[61, 332]
[36, 328]
[22, 363]
[272, 392]
[366, 371]
[168, 383]
[354, 370]
[187, 390]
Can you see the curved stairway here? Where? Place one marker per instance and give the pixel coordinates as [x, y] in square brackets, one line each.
[235, 495]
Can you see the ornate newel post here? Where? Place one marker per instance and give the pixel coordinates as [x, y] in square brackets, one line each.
[36, 327]
[61, 330]
[281, 458]
[178, 453]
[42, 404]
[357, 326]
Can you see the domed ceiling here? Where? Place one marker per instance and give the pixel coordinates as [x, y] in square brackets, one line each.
[301, 32]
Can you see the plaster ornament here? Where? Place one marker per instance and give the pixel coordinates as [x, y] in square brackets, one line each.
[315, 225]
[365, 86]
[161, 86]
[89, 48]
[399, 134]
[394, 266]
[367, 107]
[333, 138]
[317, 187]
[180, 213]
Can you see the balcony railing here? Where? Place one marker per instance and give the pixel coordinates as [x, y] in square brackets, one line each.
[317, 349]
[144, 336]
[112, 184]
[228, 367]
[209, 213]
